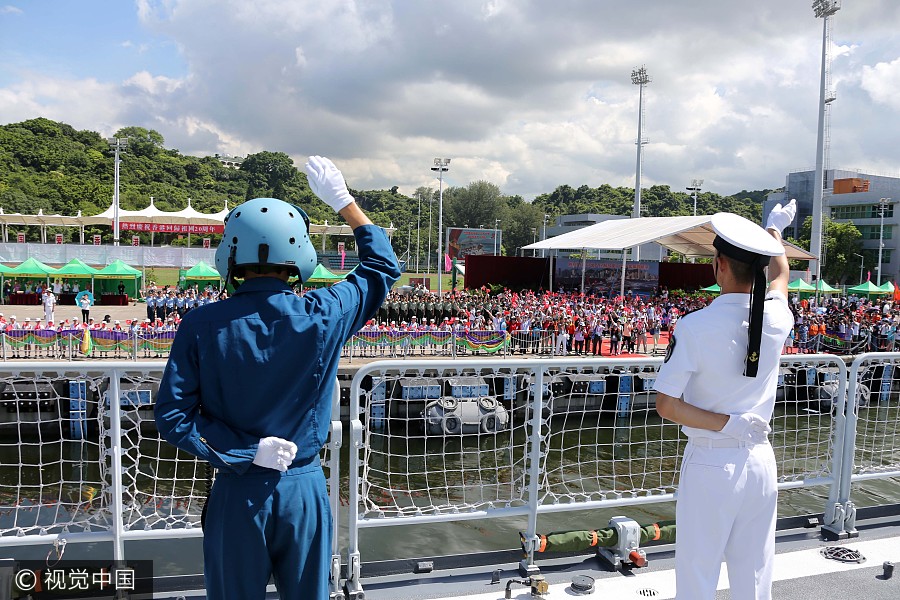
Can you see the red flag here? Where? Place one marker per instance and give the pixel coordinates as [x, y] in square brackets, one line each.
[868, 275]
[343, 256]
[447, 263]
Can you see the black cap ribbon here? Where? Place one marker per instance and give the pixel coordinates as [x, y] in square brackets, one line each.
[759, 263]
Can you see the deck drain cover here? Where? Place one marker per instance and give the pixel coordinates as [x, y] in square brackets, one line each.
[842, 554]
[648, 593]
[582, 585]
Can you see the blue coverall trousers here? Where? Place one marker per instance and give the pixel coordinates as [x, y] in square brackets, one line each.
[266, 522]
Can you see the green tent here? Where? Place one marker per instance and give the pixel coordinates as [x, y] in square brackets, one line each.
[322, 276]
[714, 288]
[117, 270]
[31, 268]
[202, 271]
[75, 268]
[887, 288]
[799, 285]
[823, 287]
[868, 288]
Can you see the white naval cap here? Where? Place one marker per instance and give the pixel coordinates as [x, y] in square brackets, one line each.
[745, 235]
[747, 242]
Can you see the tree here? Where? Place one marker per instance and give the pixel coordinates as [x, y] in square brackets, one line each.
[842, 242]
[270, 173]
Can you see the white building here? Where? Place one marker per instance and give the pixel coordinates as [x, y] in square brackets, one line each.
[850, 196]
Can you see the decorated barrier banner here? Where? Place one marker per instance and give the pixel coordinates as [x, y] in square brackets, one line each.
[485, 341]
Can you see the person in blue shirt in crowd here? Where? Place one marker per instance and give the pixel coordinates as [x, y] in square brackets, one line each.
[259, 409]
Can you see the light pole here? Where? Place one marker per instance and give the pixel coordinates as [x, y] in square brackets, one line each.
[825, 10]
[430, 233]
[440, 165]
[861, 259]
[496, 234]
[118, 145]
[544, 235]
[639, 77]
[695, 188]
[882, 207]
[418, 227]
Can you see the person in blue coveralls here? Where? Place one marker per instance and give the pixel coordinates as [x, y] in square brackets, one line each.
[719, 381]
[248, 387]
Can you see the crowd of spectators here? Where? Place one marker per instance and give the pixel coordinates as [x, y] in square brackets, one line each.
[556, 323]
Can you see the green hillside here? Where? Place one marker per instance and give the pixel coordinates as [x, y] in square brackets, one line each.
[50, 166]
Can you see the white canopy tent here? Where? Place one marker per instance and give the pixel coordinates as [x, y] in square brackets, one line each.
[151, 214]
[691, 236]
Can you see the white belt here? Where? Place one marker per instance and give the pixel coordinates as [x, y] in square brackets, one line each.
[702, 442]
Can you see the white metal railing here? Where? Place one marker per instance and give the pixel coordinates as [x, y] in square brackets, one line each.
[91, 470]
[590, 440]
[431, 441]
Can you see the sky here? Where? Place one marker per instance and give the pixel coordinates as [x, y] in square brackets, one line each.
[525, 94]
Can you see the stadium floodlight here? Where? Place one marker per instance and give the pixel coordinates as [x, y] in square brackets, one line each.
[695, 188]
[639, 77]
[440, 165]
[825, 8]
[117, 145]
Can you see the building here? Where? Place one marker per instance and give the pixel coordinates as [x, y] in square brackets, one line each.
[232, 162]
[850, 196]
[567, 223]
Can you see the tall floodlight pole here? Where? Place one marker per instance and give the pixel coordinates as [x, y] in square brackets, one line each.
[118, 145]
[496, 234]
[861, 260]
[430, 233]
[418, 227]
[882, 206]
[695, 189]
[639, 78]
[440, 165]
[823, 9]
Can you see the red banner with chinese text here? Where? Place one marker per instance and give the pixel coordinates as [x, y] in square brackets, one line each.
[170, 227]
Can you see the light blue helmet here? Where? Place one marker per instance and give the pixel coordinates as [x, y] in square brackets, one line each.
[266, 231]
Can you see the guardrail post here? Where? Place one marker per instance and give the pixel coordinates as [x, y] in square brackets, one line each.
[334, 476]
[115, 453]
[3, 342]
[840, 512]
[353, 586]
[526, 565]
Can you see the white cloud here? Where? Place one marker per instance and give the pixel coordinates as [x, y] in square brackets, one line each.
[519, 94]
[882, 82]
[9, 9]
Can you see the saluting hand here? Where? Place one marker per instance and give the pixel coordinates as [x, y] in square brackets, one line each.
[327, 182]
[782, 216]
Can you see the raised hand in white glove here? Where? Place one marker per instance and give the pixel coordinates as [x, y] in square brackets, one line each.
[747, 427]
[327, 182]
[782, 216]
[275, 453]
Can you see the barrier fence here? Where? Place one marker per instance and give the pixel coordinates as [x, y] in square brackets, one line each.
[126, 344]
[431, 441]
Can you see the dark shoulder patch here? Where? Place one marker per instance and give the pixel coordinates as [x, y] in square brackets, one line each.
[670, 348]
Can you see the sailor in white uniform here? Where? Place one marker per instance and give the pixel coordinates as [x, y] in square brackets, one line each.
[719, 381]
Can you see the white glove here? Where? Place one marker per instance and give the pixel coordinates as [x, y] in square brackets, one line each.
[327, 182]
[747, 427]
[782, 216]
[275, 453]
